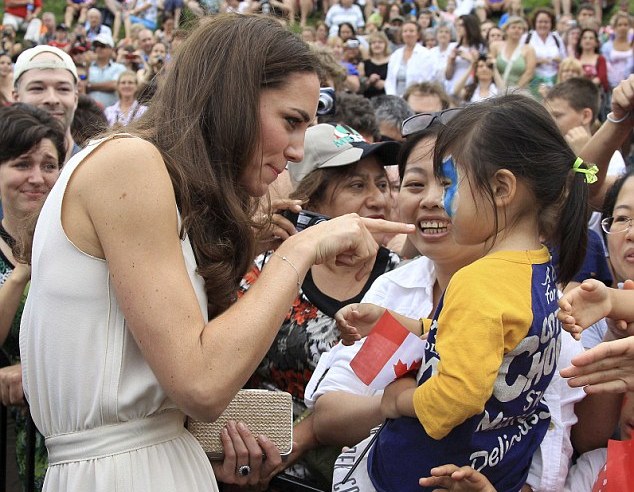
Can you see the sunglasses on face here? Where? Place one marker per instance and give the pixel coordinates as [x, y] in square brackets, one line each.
[422, 121]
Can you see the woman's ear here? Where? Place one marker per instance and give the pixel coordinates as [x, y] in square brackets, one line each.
[504, 186]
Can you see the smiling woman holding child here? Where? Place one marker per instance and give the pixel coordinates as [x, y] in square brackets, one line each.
[492, 345]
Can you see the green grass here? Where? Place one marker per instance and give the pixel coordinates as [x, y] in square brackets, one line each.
[57, 7]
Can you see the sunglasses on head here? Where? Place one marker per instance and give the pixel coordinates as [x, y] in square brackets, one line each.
[422, 121]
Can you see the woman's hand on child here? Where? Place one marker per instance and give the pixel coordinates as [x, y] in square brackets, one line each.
[455, 479]
[606, 368]
[356, 321]
[398, 398]
[583, 306]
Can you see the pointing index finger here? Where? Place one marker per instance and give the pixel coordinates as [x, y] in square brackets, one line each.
[381, 225]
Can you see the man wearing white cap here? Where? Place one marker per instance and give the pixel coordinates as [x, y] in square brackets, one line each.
[46, 77]
[103, 72]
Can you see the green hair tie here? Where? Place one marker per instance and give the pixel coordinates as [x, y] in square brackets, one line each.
[589, 171]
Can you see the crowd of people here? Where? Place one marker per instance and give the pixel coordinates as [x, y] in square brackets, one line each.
[468, 164]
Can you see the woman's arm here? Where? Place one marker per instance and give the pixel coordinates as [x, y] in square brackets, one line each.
[451, 64]
[531, 63]
[609, 138]
[130, 219]
[459, 86]
[10, 297]
[498, 80]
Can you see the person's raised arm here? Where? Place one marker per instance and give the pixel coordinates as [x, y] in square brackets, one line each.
[125, 192]
[609, 138]
[459, 86]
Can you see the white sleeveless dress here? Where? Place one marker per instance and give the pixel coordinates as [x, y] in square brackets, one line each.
[109, 426]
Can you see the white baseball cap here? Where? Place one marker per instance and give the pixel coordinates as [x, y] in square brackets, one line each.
[26, 62]
[104, 38]
[338, 145]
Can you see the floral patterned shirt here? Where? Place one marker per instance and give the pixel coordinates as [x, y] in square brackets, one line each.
[308, 331]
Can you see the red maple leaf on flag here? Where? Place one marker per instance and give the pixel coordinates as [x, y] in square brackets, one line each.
[401, 369]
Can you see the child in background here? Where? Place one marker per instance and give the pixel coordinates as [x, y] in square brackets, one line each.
[492, 347]
[61, 39]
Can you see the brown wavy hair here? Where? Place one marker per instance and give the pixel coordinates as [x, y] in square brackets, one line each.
[204, 120]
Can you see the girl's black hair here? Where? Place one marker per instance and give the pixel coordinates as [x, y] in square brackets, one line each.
[515, 132]
[609, 202]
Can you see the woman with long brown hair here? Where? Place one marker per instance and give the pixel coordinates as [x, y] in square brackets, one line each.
[149, 234]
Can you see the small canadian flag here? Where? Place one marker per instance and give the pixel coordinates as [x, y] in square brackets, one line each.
[389, 352]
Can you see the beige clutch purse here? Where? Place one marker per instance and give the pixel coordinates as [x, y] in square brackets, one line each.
[264, 412]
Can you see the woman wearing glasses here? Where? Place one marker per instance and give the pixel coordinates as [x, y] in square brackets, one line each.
[618, 209]
[616, 225]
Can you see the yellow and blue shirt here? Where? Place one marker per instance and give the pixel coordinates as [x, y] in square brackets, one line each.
[491, 352]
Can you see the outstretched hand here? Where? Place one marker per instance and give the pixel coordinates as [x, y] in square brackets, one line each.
[583, 306]
[606, 368]
[455, 479]
[356, 321]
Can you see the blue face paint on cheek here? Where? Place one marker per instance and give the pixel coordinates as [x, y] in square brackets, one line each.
[450, 196]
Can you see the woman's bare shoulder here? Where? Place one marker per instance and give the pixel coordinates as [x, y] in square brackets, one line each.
[123, 161]
[123, 186]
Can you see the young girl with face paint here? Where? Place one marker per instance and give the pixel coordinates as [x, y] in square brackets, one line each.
[493, 343]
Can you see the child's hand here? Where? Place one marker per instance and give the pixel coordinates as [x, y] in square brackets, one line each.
[355, 321]
[398, 399]
[583, 306]
[450, 477]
